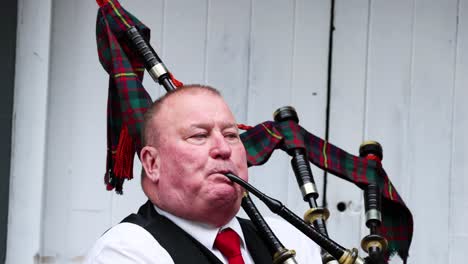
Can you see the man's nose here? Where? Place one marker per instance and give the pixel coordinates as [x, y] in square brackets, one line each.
[220, 148]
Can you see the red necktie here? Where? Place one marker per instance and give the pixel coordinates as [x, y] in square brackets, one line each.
[228, 243]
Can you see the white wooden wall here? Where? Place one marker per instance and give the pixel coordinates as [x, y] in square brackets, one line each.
[399, 76]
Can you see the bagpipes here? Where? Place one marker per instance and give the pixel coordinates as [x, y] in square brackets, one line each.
[124, 52]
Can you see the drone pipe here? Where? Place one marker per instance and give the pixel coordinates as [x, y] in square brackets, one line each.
[153, 63]
[341, 254]
[281, 254]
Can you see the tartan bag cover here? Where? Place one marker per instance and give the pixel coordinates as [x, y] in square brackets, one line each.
[127, 99]
[397, 221]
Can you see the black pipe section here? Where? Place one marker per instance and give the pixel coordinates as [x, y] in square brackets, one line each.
[281, 254]
[336, 250]
[153, 63]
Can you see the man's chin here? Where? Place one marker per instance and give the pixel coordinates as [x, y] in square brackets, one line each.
[227, 210]
[225, 192]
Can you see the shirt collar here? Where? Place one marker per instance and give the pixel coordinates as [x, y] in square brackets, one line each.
[203, 233]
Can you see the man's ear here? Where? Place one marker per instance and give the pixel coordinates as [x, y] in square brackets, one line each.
[150, 161]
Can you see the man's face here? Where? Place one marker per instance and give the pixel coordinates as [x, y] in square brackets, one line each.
[198, 142]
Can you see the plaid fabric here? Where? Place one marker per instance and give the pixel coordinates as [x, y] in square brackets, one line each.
[128, 100]
[397, 221]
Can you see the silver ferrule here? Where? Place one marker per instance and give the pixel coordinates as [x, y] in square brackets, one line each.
[373, 214]
[290, 260]
[157, 70]
[359, 260]
[308, 188]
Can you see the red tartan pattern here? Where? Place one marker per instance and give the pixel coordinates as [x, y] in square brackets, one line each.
[397, 221]
[127, 100]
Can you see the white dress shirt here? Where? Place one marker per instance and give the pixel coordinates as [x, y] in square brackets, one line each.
[206, 234]
[128, 243]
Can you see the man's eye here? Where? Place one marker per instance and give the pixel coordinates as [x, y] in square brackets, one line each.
[197, 139]
[199, 136]
[232, 136]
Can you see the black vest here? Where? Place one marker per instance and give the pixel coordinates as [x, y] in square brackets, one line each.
[183, 248]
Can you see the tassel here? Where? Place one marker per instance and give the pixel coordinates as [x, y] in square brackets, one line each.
[123, 162]
[102, 3]
[243, 127]
[108, 179]
[176, 82]
[113, 182]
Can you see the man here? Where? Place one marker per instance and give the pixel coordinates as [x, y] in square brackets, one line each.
[191, 140]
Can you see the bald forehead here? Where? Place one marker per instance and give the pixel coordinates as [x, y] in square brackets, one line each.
[175, 99]
[157, 115]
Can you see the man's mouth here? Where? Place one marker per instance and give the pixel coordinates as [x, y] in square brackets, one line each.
[224, 171]
[222, 176]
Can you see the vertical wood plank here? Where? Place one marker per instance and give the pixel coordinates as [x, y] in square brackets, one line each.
[184, 38]
[270, 83]
[347, 104]
[388, 88]
[309, 82]
[389, 83]
[75, 134]
[271, 51]
[430, 128]
[29, 122]
[227, 52]
[459, 169]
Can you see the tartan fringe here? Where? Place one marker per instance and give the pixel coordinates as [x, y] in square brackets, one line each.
[176, 82]
[123, 161]
[244, 127]
[102, 2]
[113, 183]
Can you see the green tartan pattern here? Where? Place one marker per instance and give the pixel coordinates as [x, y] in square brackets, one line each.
[127, 98]
[397, 221]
